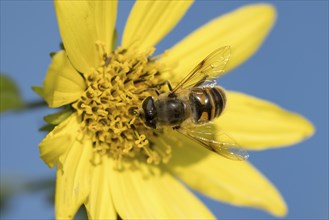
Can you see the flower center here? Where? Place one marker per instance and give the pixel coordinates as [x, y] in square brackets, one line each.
[124, 79]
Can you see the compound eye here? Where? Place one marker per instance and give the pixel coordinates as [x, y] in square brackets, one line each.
[149, 112]
[149, 108]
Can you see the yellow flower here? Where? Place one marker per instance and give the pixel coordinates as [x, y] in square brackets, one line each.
[105, 157]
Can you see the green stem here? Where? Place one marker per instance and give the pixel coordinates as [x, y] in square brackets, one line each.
[34, 105]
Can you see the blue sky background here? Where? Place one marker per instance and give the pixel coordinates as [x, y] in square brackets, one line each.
[290, 69]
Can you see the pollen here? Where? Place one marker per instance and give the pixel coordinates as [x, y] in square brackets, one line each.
[122, 81]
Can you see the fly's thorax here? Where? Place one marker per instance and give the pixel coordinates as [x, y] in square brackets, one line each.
[171, 111]
[206, 103]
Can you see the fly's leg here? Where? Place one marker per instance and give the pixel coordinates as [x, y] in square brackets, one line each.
[157, 92]
[166, 82]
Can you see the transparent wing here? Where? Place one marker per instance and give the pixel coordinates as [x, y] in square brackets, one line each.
[213, 66]
[224, 145]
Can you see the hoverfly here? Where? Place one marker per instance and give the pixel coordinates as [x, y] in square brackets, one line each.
[189, 107]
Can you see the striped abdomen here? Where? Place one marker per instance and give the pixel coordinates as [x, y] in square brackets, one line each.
[206, 103]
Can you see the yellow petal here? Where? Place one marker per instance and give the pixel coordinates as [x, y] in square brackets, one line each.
[139, 194]
[243, 29]
[150, 21]
[59, 140]
[99, 204]
[105, 13]
[85, 27]
[77, 28]
[257, 124]
[234, 182]
[63, 84]
[73, 179]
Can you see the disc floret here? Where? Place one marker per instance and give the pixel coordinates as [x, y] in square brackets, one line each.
[120, 83]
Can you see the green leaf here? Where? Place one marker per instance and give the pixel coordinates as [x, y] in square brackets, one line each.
[38, 90]
[55, 119]
[115, 39]
[81, 213]
[10, 98]
[58, 117]
[4, 195]
[12, 186]
[61, 45]
[47, 128]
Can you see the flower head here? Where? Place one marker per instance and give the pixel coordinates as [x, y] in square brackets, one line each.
[107, 159]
